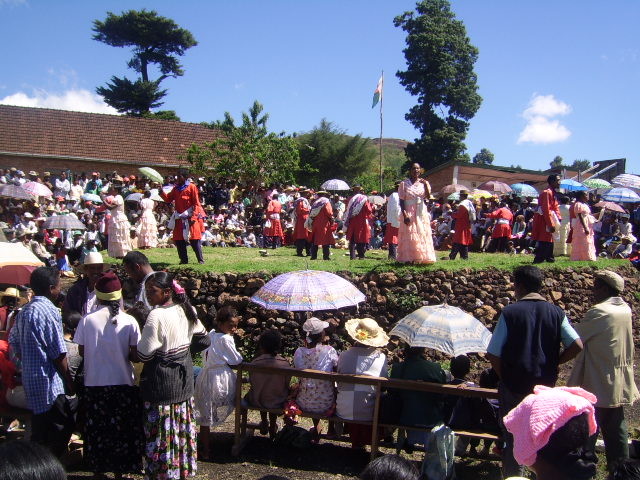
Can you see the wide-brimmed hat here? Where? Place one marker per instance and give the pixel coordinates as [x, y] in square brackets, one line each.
[94, 258]
[33, 173]
[314, 325]
[612, 279]
[322, 192]
[366, 331]
[15, 293]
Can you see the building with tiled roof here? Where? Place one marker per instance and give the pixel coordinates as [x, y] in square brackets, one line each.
[43, 139]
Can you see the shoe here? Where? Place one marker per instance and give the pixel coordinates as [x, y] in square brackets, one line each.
[551, 260]
[184, 263]
[201, 262]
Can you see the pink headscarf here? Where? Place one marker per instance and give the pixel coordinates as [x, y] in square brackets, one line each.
[543, 412]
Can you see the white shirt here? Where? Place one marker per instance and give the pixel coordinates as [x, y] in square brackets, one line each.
[106, 347]
[393, 210]
[142, 296]
[222, 351]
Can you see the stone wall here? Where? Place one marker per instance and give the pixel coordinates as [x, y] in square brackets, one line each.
[391, 296]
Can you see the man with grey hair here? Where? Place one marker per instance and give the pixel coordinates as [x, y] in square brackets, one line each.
[605, 366]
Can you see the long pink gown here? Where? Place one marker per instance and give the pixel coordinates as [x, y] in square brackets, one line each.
[583, 246]
[148, 227]
[415, 241]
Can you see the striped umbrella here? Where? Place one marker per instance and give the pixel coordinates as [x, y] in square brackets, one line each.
[64, 222]
[307, 291]
[622, 195]
[444, 328]
[495, 187]
[596, 183]
[627, 180]
[15, 191]
[524, 190]
[572, 186]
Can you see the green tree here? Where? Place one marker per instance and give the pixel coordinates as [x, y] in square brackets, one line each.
[156, 41]
[248, 153]
[580, 165]
[328, 152]
[484, 157]
[556, 162]
[440, 60]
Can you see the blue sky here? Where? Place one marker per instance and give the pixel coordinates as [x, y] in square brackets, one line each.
[557, 77]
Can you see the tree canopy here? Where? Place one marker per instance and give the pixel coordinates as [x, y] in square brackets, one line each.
[556, 162]
[483, 157]
[248, 152]
[328, 152]
[440, 61]
[156, 41]
[580, 165]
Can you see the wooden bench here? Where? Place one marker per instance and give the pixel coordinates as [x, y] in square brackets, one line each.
[379, 383]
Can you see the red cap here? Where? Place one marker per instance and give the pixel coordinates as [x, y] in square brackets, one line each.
[108, 287]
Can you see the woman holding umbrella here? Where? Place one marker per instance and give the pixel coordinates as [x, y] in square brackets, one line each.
[415, 242]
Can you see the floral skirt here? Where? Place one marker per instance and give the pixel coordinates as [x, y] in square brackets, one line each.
[113, 430]
[170, 435]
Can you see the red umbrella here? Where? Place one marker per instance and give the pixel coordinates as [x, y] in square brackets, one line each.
[495, 187]
[453, 188]
[614, 207]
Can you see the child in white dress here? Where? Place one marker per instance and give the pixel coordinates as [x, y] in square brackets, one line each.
[316, 396]
[216, 383]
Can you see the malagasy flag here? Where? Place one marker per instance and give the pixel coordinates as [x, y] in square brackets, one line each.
[377, 95]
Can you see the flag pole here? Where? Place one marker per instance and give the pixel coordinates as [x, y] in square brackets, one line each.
[381, 100]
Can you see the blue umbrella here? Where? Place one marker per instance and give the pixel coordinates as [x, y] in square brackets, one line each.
[444, 328]
[622, 195]
[572, 185]
[524, 190]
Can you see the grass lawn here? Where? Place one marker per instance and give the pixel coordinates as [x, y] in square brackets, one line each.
[246, 260]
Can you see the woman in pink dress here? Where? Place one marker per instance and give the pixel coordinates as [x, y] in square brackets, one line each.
[148, 226]
[415, 242]
[582, 242]
[118, 226]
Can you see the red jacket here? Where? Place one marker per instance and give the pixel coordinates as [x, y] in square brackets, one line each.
[462, 234]
[322, 233]
[541, 221]
[273, 215]
[504, 219]
[183, 200]
[359, 230]
[302, 213]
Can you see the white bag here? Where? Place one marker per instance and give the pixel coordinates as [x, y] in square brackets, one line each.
[439, 454]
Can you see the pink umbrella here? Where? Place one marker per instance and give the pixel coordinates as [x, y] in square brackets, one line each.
[453, 188]
[614, 207]
[495, 187]
[16, 263]
[37, 189]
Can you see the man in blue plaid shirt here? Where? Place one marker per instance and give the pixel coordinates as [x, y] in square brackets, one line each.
[37, 342]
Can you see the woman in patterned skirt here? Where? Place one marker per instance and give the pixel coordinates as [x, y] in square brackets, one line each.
[107, 339]
[172, 331]
[316, 396]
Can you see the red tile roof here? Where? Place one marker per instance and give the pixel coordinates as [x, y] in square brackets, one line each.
[141, 141]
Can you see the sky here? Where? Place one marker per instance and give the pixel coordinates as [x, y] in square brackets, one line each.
[556, 77]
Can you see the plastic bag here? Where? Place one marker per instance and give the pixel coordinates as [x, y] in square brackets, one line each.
[439, 454]
[267, 224]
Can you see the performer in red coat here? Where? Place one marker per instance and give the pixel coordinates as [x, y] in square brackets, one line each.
[188, 217]
[320, 223]
[545, 220]
[463, 216]
[301, 237]
[273, 232]
[502, 229]
[356, 218]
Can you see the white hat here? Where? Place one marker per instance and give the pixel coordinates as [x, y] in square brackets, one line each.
[366, 331]
[314, 325]
[28, 215]
[94, 258]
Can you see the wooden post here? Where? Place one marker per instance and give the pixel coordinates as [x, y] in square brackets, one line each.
[374, 426]
[238, 402]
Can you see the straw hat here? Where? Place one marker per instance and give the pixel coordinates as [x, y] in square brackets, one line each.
[13, 292]
[366, 331]
[94, 258]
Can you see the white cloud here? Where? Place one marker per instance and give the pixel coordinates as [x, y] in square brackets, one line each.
[78, 100]
[541, 127]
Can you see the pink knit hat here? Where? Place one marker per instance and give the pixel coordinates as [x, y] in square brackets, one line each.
[543, 412]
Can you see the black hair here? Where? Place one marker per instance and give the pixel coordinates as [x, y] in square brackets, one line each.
[226, 314]
[38, 237]
[553, 176]
[564, 449]
[146, 194]
[413, 352]
[488, 378]
[390, 467]
[528, 277]
[582, 193]
[114, 308]
[314, 338]
[274, 196]
[21, 460]
[565, 200]
[70, 321]
[460, 366]
[165, 280]
[135, 258]
[270, 341]
[42, 279]
[626, 469]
